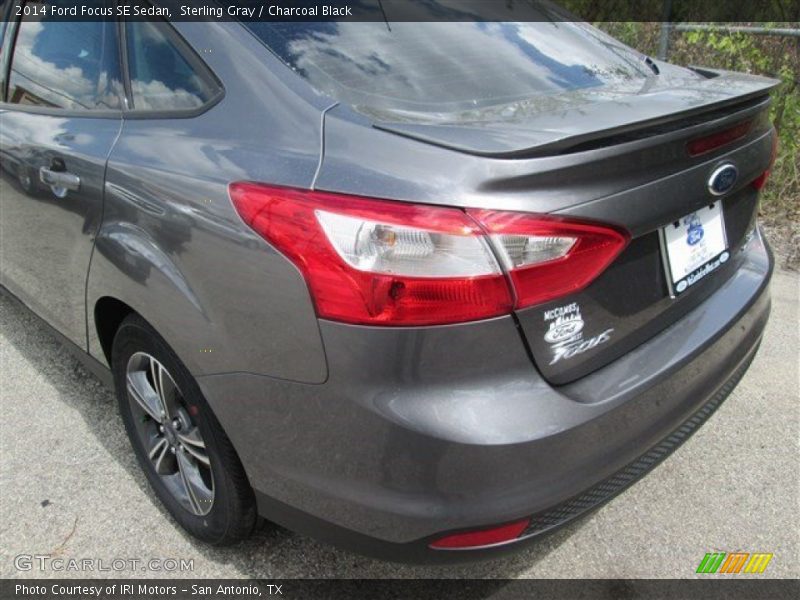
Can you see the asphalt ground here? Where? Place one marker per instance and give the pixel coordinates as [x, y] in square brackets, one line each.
[70, 486]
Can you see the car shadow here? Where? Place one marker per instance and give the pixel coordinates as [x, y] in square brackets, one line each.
[272, 551]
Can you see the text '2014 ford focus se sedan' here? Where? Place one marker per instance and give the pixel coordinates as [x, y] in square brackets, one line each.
[427, 290]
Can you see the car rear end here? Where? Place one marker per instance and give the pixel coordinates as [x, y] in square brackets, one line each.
[525, 302]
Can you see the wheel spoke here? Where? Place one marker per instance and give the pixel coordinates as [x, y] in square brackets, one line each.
[161, 456]
[157, 373]
[150, 403]
[191, 437]
[198, 454]
[194, 445]
[155, 376]
[199, 495]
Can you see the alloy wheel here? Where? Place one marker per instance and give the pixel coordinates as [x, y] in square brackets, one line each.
[169, 434]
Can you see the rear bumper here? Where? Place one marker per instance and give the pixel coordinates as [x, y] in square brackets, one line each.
[422, 432]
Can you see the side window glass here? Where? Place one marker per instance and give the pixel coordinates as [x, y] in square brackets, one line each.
[162, 77]
[5, 6]
[2, 32]
[69, 65]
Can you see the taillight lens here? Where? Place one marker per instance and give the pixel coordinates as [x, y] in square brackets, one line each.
[548, 257]
[381, 262]
[760, 181]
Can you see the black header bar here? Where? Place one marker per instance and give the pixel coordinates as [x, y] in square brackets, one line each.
[711, 588]
[785, 12]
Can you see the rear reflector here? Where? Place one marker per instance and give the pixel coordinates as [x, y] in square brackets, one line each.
[381, 262]
[760, 181]
[708, 143]
[481, 537]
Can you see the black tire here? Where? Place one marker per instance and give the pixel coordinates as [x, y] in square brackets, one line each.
[232, 516]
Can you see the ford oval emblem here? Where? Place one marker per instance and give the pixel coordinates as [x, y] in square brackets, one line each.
[723, 179]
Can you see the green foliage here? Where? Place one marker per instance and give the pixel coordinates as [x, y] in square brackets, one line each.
[684, 11]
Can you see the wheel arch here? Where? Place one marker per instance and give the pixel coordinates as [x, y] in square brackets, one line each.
[109, 312]
[129, 273]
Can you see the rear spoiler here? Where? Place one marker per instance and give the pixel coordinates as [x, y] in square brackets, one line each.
[550, 126]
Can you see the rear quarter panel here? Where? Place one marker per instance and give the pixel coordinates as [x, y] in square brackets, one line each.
[171, 245]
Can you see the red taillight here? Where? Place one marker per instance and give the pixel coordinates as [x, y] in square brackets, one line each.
[482, 537]
[549, 257]
[711, 142]
[381, 262]
[760, 181]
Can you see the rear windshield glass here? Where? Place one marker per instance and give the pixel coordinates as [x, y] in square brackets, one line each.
[450, 67]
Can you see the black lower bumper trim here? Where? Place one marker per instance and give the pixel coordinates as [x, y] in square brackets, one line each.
[627, 476]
